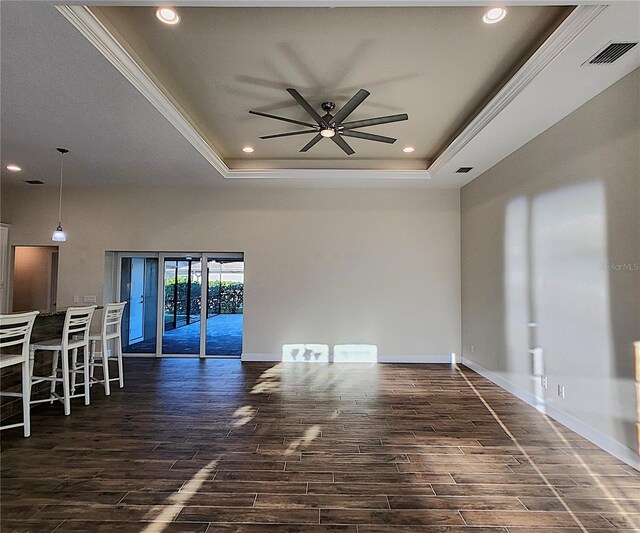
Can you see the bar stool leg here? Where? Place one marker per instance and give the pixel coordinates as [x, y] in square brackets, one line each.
[118, 349]
[86, 369]
[54, 373]
[92, 358]
[105, 368]
[65, 382]
[26, 398]
[74, 367]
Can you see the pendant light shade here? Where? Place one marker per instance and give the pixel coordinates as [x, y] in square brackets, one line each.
[59, 234]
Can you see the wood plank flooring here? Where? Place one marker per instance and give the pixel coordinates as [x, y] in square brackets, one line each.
[221, 446]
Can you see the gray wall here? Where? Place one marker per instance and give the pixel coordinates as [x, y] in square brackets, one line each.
[551, 235]
[321, 266]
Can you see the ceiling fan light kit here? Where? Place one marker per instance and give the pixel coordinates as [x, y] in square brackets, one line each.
[331, 126]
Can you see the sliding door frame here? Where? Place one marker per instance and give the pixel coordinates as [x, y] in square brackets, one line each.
[163, 256]
[118, 279]
[204, 285]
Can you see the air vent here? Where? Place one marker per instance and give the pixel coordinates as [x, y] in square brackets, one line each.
[464, 170]
[612, 52]
[34, 182]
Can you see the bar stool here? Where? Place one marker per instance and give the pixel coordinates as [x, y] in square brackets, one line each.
[111, 327]
[15, 330]
[75, 335]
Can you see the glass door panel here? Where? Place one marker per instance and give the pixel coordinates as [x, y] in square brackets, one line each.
[225, 299]
[139, 288]
[182, 285]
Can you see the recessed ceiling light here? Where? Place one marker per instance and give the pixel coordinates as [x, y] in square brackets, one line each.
[167, 15]
[248, 149]
[408, 149]
[13, 168]
[493, 15]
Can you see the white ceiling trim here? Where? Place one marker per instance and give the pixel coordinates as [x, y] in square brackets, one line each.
[332, 3]
[95, 32]
[295, 173]
[570, 28]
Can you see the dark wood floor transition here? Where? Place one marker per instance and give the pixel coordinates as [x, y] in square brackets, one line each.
[220, 446]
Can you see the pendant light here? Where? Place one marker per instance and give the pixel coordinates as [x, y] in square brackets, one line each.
[58, 234]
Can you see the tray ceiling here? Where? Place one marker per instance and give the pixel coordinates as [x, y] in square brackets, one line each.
[438, 64]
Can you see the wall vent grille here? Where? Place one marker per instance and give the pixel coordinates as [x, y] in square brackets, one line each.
[464, 170]
[610, 53]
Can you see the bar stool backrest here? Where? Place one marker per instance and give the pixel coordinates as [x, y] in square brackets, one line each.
[112, 320]
[77, 321]
[16, 330]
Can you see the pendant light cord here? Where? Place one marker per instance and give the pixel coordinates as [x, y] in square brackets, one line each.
[60, 202]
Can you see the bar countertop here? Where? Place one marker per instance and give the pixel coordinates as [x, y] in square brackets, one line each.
[53, 311]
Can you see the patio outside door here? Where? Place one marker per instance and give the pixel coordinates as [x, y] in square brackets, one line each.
[182, 313]
[136, 301]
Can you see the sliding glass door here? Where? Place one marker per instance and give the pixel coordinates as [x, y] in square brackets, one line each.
[225, 302]
[182, 304]
[139, 288]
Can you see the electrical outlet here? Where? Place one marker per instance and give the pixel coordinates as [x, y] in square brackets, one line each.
[544, 382]
[76, 299]
[472, 348]
[90, 299]
[561, 391]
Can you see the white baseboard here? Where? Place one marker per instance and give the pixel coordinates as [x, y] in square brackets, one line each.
[607, 443]
[424, 359]
[261, 357]
[272, 358]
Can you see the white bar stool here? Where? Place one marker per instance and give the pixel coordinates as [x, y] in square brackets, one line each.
[111, 327]
[15, 330]
[75, 335]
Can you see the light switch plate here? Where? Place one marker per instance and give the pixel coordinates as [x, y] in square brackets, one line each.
[89, 299]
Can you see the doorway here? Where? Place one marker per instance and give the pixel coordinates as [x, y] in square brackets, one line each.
[35, 278]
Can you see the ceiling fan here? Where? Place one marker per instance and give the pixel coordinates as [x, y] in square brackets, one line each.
[333, 126]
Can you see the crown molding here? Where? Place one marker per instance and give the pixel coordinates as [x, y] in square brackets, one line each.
[95, 32]
[568, 30]
[329, 173]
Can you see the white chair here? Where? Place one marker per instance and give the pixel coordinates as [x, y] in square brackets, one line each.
[111, 327]
[15, 330]
[75, 336]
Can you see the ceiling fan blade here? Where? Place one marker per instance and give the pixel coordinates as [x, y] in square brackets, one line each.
[306, 106]
[368, 136]
[292, 121]
[374, 121]
[311, 143]
[303, 132]
[342, 144]
[350, 106]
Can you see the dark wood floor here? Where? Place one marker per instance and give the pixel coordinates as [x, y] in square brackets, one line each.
[223, 447]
